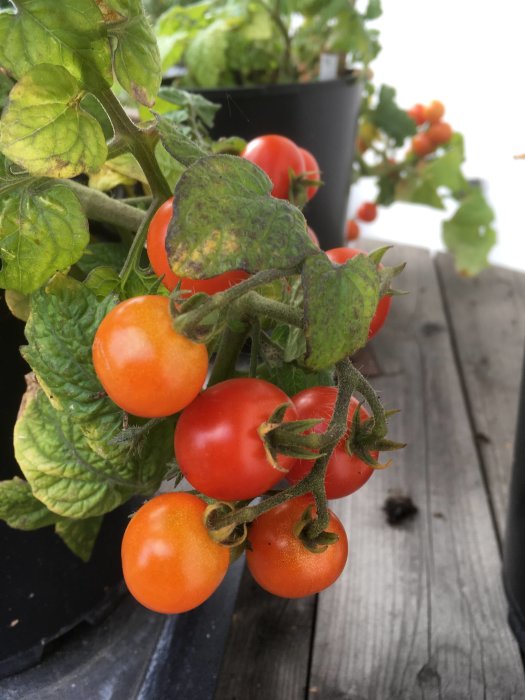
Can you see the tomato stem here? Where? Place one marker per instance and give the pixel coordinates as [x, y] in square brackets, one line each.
[137, 246]
[99, 207]
[230, 345]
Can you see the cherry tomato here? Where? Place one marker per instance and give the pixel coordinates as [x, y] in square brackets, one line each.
[352, 230]
[345, 473]
[340, 256]
[439, 133]
[311, 168]
[367, 211]
[434, 111]
[417, 113]
[145, 366]
[170, 562]
[156, 248]
[422, 145]
[279, 561]
[277, 156]
[217, 443]
[312, 235]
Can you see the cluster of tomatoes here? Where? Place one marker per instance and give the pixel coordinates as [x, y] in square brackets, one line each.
[367, 212]
[171, 562]
[433, 131]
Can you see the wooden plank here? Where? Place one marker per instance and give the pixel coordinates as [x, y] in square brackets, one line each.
[268, 649]
[420, 611]
[488, 319]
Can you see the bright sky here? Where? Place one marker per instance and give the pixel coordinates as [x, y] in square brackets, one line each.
[470, 55]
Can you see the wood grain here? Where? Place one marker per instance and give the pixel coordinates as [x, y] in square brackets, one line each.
[419, 612]
[488, 320]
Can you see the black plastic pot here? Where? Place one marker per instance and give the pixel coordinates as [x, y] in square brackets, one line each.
[321, 117]
[45, 590]
[514, 545]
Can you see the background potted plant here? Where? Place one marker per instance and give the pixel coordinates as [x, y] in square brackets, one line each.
[73, 257]
[275, 67]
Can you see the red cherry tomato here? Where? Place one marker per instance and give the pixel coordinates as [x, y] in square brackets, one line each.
[345, 473]
[145, 366]
[367, 211]
[156, 248]
[340, 256]
[217, 443]
[417, 113]
[170, 562]
[422, 145]
[352, 230]
[439, 133]
[277, 156]
[279, 561]
[311, 168]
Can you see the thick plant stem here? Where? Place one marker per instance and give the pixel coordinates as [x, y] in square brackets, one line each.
[230, 346]
[99, 207]
[139, 142]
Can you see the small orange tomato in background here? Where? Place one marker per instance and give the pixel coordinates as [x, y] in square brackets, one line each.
[367, 212]
[352, 230]
[439, 133]
[422, 145]
[434, 111]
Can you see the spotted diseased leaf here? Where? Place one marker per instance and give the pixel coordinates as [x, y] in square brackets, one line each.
[351, 292]
[45, 130]
[69, 33]
[43, 229]
[136, 58]
[224, 218]
[71, 478]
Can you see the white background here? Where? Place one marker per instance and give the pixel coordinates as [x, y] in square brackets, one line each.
[470, 55]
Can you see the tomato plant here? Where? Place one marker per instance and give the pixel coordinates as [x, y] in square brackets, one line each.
[170, 562]
[278, 559]
[145, 366]
[218, 440]
[156, 247]
[278, 156]
[340, 256]
[346, 472]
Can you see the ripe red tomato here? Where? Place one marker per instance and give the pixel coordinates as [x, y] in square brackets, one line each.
[417, 113]
[352, 230]
[156, 249]
[345, 473]
[367, 211]
[145, 366]
[340, 256]
[279, 561]
[311, 167]
[276, 155]
[434, 111]
[170, 562]
[439, 133]
[422, 145]
[217, 444]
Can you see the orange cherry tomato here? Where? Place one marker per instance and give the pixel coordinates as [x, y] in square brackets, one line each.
[439, 133]
[352, 230]
[434, 111]
[422, 145]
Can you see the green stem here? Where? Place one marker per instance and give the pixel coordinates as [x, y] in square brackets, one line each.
[372, 399]
[230, 345]
[99, 207]
[255, 347]
[253, 304]
[137, 246]
[139, 142]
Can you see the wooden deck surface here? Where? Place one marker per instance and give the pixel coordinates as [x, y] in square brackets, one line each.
[419, 612]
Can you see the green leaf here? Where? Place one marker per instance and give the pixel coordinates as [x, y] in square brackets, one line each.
[136, 57]
[171, 168]
[103, 281]
[351, 291]
[121, 170]
[224, 219]
[445, 170]
[469, 234]
[45, 130]
[103, 254]
[79, 535]
[292, 379]
[205, 56]
[5, 88]
[20, 509]
[390, 118]
[18, 304]
[69, 33]
[60, 332]
[176, 143]
[419, 190]
[176, 27]
[68, 476]
[43, 229]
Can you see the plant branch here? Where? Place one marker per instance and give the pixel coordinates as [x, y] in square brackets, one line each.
[230, 345]
[137, 245]
[100, 207]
